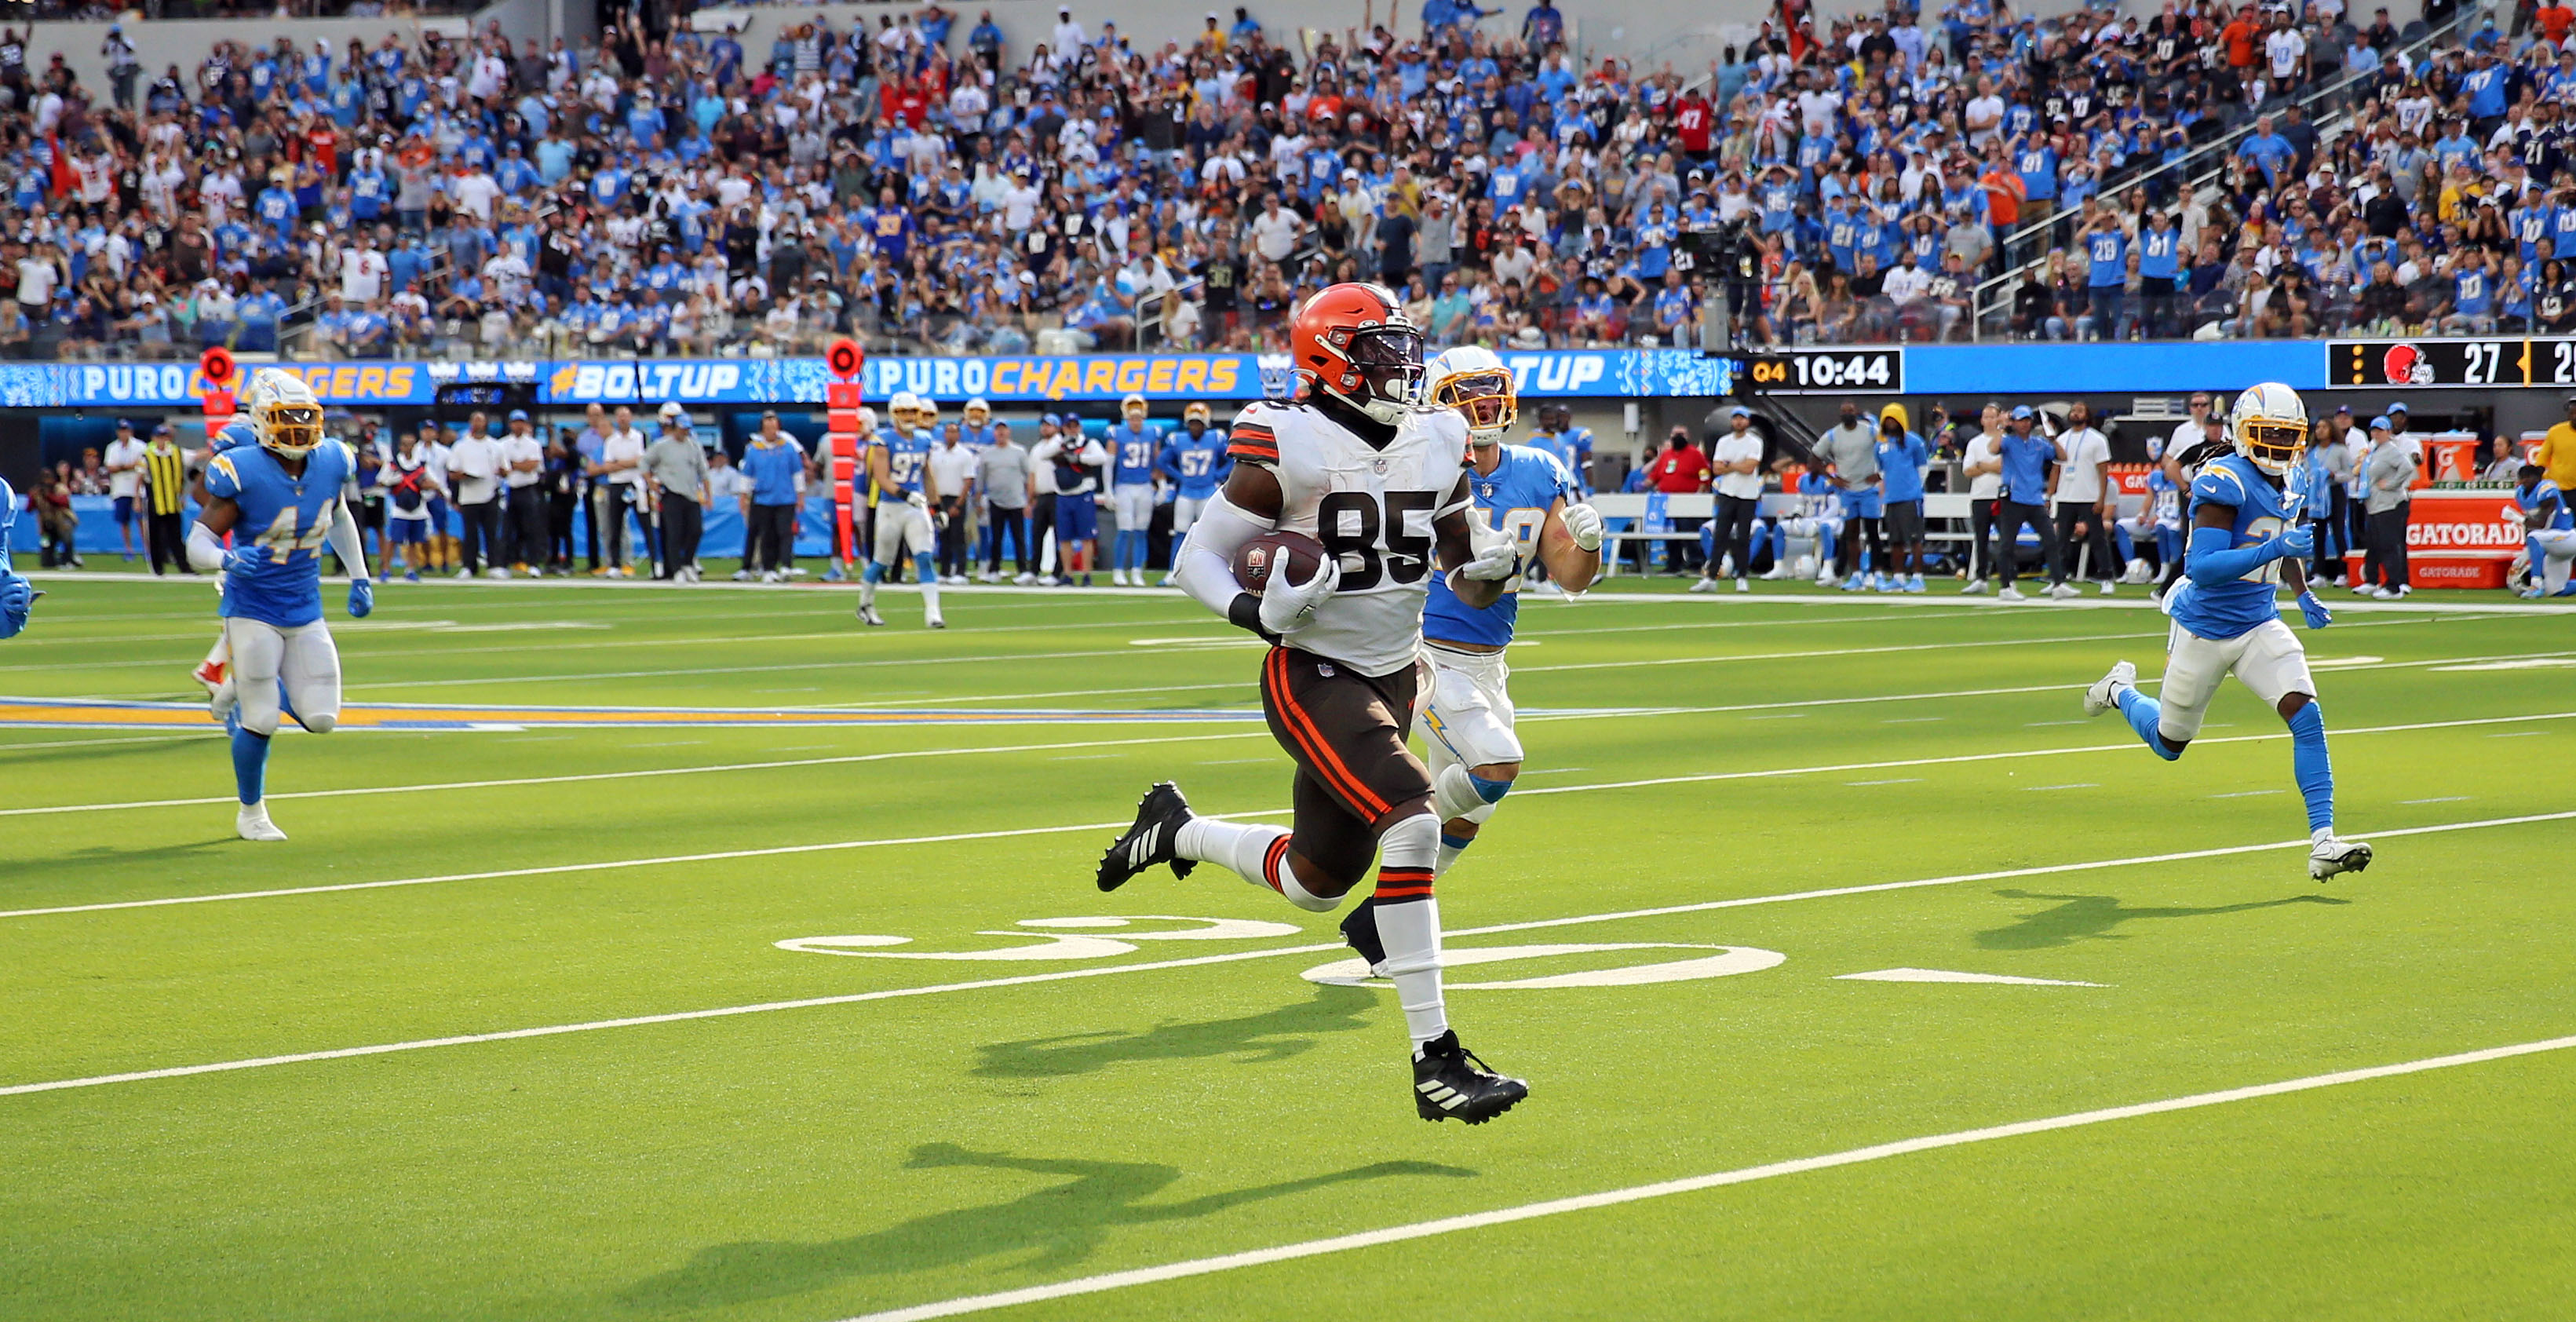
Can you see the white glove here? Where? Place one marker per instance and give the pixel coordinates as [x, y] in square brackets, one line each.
[917, 500]
[1495, 560]
[1583, 523]
[1286, 607]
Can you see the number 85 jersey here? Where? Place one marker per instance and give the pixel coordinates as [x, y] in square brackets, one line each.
[1372, 509]
[288, 516]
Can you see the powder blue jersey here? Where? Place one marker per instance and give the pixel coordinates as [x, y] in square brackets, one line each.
[1199, 464]
[2541, 495]
[1514, 500]
[233, 436]
[8, 520]
[2226, 610]
[907, 453]
[288, 516]
[1132, 452]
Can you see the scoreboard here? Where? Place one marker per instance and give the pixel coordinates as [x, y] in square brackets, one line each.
[2470, 364]
[1864, 370]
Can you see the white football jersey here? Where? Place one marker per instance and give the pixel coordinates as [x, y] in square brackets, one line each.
[1372, 509]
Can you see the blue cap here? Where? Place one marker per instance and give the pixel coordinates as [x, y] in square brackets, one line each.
[518, 415]
[2021, 411]
[1739, 411]
[2398, 406]
[2381, 423]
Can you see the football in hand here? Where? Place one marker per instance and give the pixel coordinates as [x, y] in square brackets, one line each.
[1255, 559]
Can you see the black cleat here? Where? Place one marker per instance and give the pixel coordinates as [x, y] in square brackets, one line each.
[1359, 928]
[1158, 826]
[1450, 1083]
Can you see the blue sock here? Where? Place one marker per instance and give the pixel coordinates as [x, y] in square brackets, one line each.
[924, 569]
[250, 763]
[1825, 548]
[2143, 712]
[874, 573]
[2314, 769]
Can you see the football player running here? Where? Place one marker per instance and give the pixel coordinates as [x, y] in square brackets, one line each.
[899, 481]
[2247, 537]
[1195, 462]
[1524, 495]
[283, 495]
[1377, 480]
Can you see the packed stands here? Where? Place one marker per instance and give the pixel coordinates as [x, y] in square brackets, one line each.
[933, 187]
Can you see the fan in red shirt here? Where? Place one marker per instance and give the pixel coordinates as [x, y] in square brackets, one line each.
[1681, 470]
[1692, 119]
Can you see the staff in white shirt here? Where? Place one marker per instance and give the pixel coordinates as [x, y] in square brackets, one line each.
[523, 465]
[1736, 459]
[613, 475]
[125, 479]
[474, 467]
[2085, 496]
[1983, 465]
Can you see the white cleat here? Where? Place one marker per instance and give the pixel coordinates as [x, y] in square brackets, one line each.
[2062, 591]
[1825, 579]
[1742, 586]
[2106, 587]
[935, 620]
[1703, 585]
[2105, 693]
[1976, 586]
[2011, 594]
[868, 616]
[2332, 857]
[1777, 574]
[252, 823]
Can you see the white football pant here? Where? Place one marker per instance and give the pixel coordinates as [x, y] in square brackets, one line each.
[2267, 658]
[303, 658]
[1466, 722]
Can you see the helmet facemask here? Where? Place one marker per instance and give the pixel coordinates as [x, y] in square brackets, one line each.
[289, 429]
[2271, 444]
[1388, 362]
[1484, 399]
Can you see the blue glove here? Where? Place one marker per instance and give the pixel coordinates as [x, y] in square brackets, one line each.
[16, 599]
[2296, 541]
[362, 599]
[2318, 616]
[243, 557]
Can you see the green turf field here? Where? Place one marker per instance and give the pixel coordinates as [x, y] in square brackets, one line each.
[519, 1039]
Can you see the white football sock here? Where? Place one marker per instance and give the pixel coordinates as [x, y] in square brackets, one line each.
[867, 592]
[930, 597]
[1256, 853]
[1408, 923]
[1448, 856]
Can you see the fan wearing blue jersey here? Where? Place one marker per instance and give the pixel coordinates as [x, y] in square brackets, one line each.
[1195, 462]
[1572, 445]
[905, 493]
[1134, 447]
[283, 497]
[1525, 498]
[2549, 532]
[2247, 538]
[16, 597]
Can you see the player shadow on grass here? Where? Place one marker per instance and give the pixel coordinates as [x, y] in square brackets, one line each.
[2079, 917]
[1258, 1038]
[1045, 1230]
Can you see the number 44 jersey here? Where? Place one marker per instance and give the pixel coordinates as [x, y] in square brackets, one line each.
[1371, 508]
[290, 517]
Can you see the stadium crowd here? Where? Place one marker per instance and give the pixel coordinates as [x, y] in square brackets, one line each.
[937, 188]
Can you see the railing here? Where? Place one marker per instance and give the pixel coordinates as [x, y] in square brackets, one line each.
[2028, 247]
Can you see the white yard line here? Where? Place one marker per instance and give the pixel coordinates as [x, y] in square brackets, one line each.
[1119, 1280]
[210, 732]
[774, 765]
[1066, 975]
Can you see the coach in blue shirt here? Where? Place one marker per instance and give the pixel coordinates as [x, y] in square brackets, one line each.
[2027, 457]
[774, 463]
